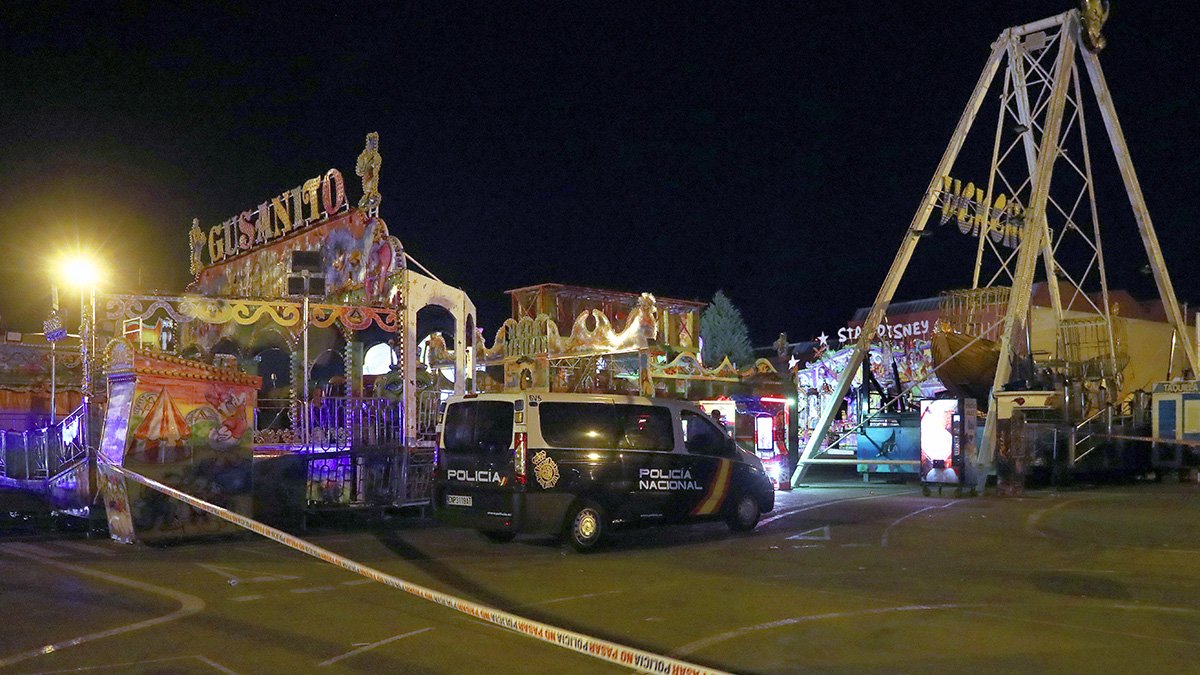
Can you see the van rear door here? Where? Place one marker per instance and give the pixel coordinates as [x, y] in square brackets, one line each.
[477, 457]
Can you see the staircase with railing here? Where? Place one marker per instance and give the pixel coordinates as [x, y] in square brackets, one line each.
[38, 454]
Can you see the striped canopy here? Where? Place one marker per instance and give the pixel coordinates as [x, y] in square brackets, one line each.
[164, 422]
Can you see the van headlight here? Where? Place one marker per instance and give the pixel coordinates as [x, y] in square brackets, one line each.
[774, 470]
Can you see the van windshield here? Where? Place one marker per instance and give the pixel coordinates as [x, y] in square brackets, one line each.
[478, 427]
[605, 426]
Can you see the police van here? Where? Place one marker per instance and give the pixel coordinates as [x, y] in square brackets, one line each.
[581, 464]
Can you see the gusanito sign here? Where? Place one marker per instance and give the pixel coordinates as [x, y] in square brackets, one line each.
[314, 200]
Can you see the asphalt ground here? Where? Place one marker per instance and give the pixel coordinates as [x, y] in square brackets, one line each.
[838, 579]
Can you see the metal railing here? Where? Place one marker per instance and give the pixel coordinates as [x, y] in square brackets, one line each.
[37, 454]
[427, 412]
[358, 452]
[72, 437]
[24, 459]
[343, 423]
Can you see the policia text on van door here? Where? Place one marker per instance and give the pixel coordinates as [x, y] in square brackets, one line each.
[579, 464]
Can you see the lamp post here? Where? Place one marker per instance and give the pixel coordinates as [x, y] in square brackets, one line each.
[84, 274]
[53, 329]
[307, 279]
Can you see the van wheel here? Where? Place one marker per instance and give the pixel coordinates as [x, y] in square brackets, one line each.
[586, 527]
[744, 515]
[498, 536]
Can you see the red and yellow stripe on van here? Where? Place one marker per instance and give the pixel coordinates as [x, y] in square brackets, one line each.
[716, 491]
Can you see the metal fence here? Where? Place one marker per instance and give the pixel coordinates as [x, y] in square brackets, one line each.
[273, 414]
[401, 477]
[344, 423]
[416, 477]
[358, 452]
[427, 412]
[360, 457]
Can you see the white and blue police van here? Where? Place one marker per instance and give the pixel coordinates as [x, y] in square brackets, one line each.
[580, 465]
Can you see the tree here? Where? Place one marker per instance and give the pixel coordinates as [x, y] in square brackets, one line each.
[724, 333]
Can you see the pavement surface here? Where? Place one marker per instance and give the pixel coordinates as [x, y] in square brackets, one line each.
[837, 579]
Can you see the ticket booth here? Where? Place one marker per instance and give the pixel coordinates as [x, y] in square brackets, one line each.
[1175, 416]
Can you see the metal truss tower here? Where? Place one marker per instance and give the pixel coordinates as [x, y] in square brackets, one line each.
[1040, 136]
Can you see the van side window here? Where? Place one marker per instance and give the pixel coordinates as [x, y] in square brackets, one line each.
[606, 426]
[645, 427]
[478, 427]
[701, 436]
[578, 425]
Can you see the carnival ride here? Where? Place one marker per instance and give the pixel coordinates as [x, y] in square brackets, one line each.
[286, 299]
[985, 345]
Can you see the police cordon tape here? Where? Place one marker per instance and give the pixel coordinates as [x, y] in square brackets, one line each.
[1154, 439]
[636, 659]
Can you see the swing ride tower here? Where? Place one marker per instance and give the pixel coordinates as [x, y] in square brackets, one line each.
[1034, 209]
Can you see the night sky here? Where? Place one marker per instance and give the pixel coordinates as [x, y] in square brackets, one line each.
[773, 150]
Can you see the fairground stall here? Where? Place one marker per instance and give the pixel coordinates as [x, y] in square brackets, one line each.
[878, 419]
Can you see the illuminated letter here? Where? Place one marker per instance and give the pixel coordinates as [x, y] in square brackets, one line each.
[216, 243]
[1014, 224]
[979, 222]
[245, 231]
[333, 192]
[283, 214]
[297, 195]
[263, 232]
[993, 221]
[230, 239]
[310, 188]
[949, 197]
[962, 213]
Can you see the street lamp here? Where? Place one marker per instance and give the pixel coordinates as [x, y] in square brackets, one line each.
[84, 273]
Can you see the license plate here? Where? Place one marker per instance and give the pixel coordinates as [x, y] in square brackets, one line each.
[458, 500]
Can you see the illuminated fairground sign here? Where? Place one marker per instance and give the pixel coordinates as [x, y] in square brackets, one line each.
[314, 200]
[1003, 220]
[890, 331]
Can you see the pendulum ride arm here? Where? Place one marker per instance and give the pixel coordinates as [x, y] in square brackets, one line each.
[1166, 291]
[1016, 60]
[907, 246]
[1031, 240]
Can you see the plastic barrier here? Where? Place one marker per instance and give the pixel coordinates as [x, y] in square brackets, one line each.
[636, 659]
